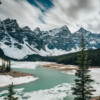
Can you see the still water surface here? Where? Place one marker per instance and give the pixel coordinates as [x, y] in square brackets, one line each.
[48, 78]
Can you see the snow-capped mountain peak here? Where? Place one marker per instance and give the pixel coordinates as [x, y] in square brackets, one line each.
[21, 42]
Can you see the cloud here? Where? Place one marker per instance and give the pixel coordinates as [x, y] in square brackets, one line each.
[40, 5]
[25, 13]
[73, 13]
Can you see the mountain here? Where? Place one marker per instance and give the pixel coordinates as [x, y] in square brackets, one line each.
[92, 40]
[18, 43]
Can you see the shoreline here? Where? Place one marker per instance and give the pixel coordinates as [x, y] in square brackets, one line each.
[69, 68]
[61, 67]
[17, 84]
[16, 74]
[16, 78]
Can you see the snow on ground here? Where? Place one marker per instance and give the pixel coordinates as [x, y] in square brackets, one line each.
[72, 72]
[56, 93]
[0, 62]
[7, 80]
[28, 65]
[95, 75]
[95, 72]
[18, 92]
[67, 66]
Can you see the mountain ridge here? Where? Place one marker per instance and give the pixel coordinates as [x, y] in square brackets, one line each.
[21, 42]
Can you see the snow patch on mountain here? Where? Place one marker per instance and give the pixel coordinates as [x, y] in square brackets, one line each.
[19, 42]
[16, 53]
[92, 42]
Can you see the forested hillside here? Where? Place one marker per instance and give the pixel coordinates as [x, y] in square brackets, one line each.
[93, 55]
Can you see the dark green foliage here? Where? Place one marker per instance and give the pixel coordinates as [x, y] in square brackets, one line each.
[8, 68]
[93, 55]
[11, 93]
[3, 65]
[83, 89]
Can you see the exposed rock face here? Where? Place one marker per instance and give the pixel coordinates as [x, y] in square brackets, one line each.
[18, 41]
[59, 38]
[62, 38]
[21, 42]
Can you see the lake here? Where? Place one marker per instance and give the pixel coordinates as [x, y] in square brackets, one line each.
[52, 85]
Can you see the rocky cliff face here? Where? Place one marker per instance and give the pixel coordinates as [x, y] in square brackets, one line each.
[19, 42]
[62, 38]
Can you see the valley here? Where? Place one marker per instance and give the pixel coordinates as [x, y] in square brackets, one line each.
[49, 49]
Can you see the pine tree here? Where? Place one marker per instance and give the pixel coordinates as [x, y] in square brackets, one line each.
[11, 93]
[3, 65]
[8, 68]
[83, 89]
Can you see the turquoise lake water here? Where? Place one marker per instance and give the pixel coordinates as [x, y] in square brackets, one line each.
[48, 78]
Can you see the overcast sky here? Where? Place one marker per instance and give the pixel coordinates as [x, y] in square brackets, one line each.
[49, 14]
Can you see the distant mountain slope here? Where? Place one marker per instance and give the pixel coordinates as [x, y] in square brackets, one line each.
[18, 42]
[93, 55]
[15, 41]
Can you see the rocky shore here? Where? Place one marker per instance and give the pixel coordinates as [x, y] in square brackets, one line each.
[16, 74]
[70, 68]
[61, 67]
[16, 78]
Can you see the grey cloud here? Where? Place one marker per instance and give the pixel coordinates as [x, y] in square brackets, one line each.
[81, 7]
[73, 13]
